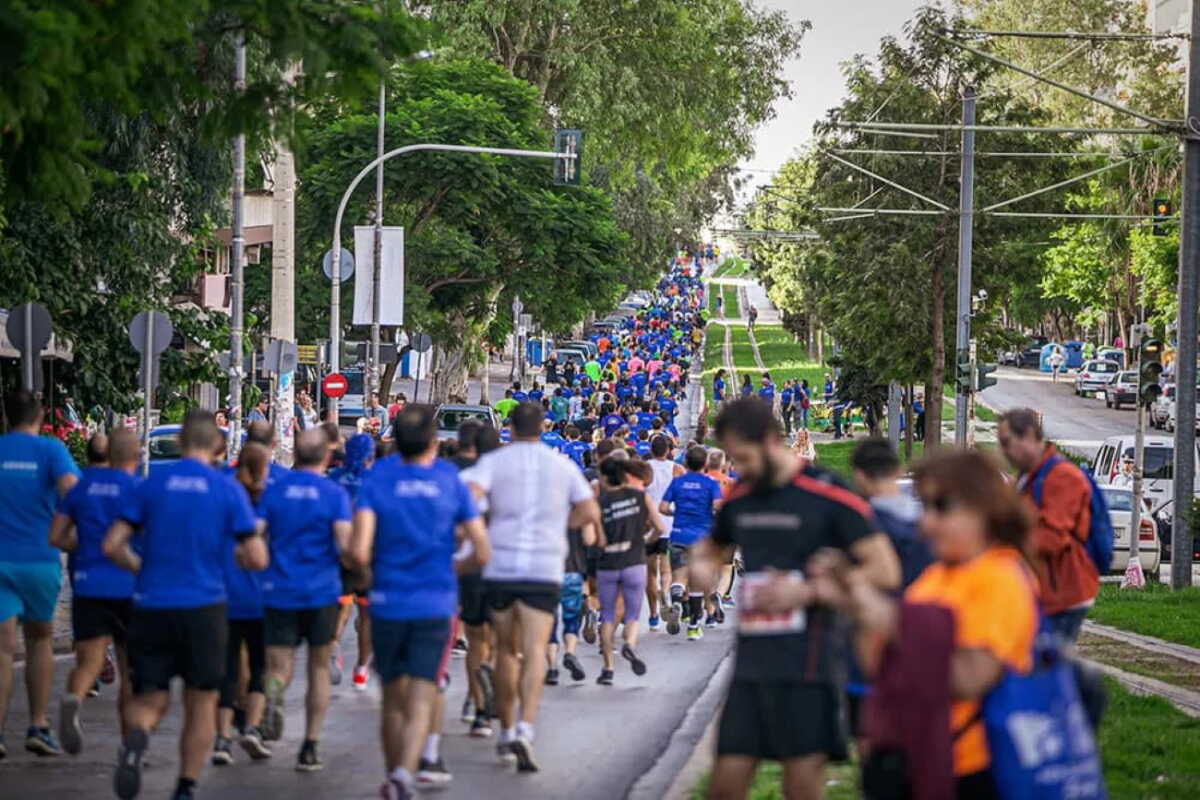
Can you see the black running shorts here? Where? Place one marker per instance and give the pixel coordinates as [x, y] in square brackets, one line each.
[659, 547]
[287, 626]
[679, 556]
[188, 642]
[92, 617]
[779, 721]
[472, 600]
[537, 595]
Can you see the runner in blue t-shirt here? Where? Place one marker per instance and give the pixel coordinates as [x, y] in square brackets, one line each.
[550, 437]
[692, 499]
[244, 613]
[187, 515]
[409, 510]
[611, 422]
[101, 591]
[35, 471]
[576, 449]
[308, 528]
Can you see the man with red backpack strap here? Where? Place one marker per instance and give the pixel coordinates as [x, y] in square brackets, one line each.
[1072, 539]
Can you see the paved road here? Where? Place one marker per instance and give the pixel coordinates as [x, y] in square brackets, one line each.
[1078, 423]
[594, 742]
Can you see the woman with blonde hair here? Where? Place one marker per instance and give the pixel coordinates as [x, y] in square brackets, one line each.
[803, 446]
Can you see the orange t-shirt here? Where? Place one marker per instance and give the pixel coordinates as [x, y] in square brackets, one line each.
[724, 480]
[993, 602]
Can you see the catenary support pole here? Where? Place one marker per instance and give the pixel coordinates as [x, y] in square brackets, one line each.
[237, 268]
[1185, 370]
[966, 220]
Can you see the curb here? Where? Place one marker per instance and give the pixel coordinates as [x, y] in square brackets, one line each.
[689, 753]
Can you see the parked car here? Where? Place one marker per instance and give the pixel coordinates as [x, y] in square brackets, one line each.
[1163, 408]
[1031, 356]
[1171, 418]
[1121, 388]
[1158, 464]
[1120, 513]
[1094, 374]
[164, 445]
[590, 347]
[1164, 518]
[451, 415]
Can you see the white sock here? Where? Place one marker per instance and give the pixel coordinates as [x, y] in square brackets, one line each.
[525, 730]
[508, 734]
[401, 774]
[430, 753]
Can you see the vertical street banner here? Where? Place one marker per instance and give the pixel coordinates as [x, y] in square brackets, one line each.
[391, 276]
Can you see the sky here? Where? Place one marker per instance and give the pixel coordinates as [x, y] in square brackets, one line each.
[840, 29]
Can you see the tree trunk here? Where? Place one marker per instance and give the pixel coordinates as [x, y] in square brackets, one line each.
[820, 345]
[934, 393]
[449, 374]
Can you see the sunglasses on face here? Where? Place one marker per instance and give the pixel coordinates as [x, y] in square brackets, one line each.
[942, 504]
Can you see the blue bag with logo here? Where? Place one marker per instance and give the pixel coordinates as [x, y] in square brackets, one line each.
[1041, 740]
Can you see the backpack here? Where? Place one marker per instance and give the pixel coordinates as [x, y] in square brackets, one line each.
[1099, 542]
[1042, 742]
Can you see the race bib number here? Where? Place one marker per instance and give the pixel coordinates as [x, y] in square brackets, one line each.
[759, 623]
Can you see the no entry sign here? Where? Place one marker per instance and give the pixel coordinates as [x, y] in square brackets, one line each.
[335, 385]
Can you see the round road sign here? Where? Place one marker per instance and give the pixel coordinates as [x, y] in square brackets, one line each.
[335, 385]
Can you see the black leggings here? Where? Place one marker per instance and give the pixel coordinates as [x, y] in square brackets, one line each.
[251, 632]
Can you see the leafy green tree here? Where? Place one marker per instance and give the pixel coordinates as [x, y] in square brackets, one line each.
[478, 229]
[883, 285]
[669, 93]
[61, 58]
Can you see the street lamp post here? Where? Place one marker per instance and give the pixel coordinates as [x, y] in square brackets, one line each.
[335, 327]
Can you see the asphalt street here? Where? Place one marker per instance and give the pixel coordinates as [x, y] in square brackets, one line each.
[593, 742]
[1076, 423]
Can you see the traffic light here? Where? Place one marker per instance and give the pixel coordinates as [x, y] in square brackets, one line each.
[1162, 215]
[982, 371]
[1150, 367]
[568, 171]
[962, 377]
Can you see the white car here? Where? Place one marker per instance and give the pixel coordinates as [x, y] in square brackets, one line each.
[1158, 466]
[1163, 408]
[1120, 513]
[1094, 374]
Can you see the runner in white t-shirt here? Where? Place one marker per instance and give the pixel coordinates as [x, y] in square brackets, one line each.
[658, 562]
[534, 495]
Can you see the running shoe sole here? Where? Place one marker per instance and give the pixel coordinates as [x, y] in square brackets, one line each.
[221, 758]
[504, 751]
[573, 667]
[335, 670]
[395, 790]
[40, 747]
[468, 712]
[639, 666]
[272, 721]
[434, 780]
[673, 615]
[589, 628]
[523, 750]
[127, 780]
[487, 684]
[70, 731]
[255, 747]
[718, 609]
[310, 767]
[481, 731]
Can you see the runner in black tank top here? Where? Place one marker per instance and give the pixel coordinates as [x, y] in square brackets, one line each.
[627, 513]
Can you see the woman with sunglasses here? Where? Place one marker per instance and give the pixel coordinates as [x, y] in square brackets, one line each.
[977, 528]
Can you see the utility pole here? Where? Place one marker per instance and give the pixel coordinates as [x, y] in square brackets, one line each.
[238, 255]
[283, 292]
[1185, 369]
[372, 371]
[966, 221]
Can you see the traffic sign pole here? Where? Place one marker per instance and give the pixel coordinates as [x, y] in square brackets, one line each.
[28, 356]
[148, 388]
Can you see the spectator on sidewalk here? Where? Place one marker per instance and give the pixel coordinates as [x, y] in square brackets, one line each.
[1068, 578]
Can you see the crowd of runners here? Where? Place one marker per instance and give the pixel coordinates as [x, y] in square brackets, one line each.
[584, 516]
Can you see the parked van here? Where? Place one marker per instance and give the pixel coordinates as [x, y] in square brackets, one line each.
[1158, 464]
